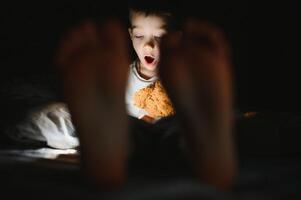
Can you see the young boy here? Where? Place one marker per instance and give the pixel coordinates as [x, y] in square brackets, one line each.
[147, 27]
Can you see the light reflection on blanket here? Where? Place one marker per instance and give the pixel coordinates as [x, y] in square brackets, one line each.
[66, 155]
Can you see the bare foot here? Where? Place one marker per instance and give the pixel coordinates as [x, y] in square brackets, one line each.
[195, 69]
[93, 61]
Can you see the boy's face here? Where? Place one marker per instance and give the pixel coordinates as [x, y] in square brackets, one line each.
[146, 33]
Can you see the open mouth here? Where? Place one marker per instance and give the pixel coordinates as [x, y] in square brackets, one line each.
[149, 59]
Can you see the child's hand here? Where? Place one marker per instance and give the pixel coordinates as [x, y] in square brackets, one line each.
[93, 61]
[147, 118]
[195, 69]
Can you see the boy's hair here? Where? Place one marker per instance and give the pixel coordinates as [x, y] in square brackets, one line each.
[161, 8]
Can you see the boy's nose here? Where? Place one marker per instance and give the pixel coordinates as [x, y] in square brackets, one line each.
[150, 44]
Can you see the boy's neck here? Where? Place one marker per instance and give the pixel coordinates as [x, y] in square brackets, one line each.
[144, 73]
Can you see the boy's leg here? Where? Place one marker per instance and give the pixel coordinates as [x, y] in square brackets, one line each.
[94, 63]
[195, 69]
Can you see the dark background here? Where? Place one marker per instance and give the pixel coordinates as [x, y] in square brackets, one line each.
[265, 41]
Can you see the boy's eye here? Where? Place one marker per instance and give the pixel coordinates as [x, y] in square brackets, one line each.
[158, 38]
[138, 36]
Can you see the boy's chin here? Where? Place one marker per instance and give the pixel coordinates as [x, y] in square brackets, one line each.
[150, 66]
